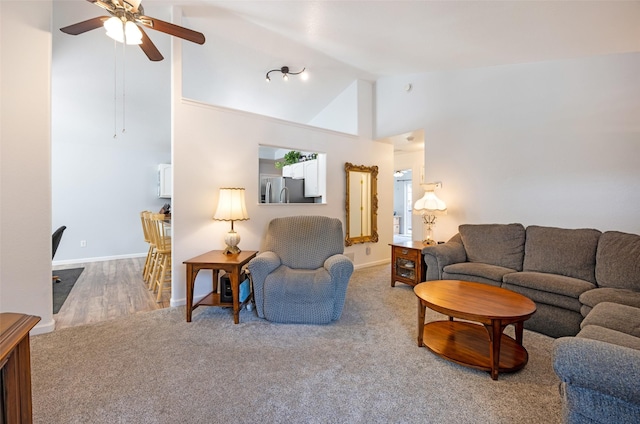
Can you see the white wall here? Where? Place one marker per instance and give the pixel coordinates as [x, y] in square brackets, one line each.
[341, 113]
[553, 143]
[100, 184]
[215, 147]
[25, 209]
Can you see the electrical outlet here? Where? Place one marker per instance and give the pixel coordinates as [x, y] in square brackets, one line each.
[368, 250]
[83, 243]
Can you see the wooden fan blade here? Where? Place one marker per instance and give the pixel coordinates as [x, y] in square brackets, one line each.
[149, 48]
[171, 29]
[84, 26]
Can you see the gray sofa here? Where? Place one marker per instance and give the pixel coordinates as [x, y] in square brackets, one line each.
[585, 284]
[566, 272]
[600, 367]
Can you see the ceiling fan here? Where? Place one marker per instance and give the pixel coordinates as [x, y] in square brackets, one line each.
[125, 25]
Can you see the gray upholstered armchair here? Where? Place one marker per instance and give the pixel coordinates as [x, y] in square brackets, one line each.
[301, 275]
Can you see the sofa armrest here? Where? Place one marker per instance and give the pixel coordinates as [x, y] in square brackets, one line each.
[259, 267]
[599, 366]
[441, 255]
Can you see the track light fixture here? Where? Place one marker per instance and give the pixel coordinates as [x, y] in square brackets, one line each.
[285, 73]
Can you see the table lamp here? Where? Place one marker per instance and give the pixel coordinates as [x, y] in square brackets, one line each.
[429, 206]
[231, 207]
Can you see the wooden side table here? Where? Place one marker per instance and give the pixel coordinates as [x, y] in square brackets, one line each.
[15, 367]
[215, 260]
[407, 263]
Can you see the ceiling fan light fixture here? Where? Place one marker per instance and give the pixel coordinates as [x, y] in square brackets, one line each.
[132, 33]
[114, 29]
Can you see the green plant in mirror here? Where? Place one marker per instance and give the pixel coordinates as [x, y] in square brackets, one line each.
[289, 159]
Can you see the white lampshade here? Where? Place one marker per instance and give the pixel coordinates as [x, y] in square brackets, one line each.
[231, 205]
[430, 203]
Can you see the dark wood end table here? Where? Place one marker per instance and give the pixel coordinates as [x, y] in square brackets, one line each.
[484, 346]
[216, 260]
[407, 263]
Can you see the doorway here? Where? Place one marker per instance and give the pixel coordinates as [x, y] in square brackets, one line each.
[402, 204]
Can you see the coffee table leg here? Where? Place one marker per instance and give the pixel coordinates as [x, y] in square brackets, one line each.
[495, 336]
[421, 312]
[519, 329]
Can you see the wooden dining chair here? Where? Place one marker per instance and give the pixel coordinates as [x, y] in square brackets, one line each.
[161, 274]
[145, 219]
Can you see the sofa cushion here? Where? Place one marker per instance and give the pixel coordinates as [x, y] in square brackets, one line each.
[562, 251]
[615, 317]
[551, 283]
[591, 298]
[495, 244]
[618, 260]
[491, 272]
[569, 303]
[299, 296]
[603, 334]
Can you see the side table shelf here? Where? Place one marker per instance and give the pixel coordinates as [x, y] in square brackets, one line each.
[407, 263]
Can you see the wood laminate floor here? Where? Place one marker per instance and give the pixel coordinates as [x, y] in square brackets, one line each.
[107, 290]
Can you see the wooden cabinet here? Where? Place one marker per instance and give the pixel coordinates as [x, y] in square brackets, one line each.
[15, 372]
[407, 263]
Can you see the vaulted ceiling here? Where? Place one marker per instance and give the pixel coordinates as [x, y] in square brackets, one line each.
[340, 41]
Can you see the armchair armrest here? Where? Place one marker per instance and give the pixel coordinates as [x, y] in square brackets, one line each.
[340, 268]
[259, 267]
[441, 255]
[598, 366]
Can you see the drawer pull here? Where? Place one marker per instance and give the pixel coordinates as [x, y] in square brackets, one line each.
[405, 251]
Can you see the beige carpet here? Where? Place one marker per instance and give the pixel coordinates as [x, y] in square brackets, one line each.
[156, 368]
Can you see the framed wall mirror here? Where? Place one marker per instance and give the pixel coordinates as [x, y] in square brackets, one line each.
[361, 204]
[287, 175]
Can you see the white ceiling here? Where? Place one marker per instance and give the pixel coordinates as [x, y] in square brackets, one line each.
[341, 41]
[383, 38]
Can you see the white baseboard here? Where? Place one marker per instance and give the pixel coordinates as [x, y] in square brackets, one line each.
[98, 259]
[370, 264]
[43, 327]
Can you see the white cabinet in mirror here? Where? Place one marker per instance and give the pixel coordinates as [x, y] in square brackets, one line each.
[290, 176]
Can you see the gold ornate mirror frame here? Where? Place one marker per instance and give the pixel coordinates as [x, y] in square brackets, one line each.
[361, 204]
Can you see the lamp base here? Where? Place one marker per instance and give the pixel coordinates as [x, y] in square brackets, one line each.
[231, 250]
[428, 235]
[232, 239]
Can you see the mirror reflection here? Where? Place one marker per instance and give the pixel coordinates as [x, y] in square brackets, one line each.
[288, 175]
[361, 204]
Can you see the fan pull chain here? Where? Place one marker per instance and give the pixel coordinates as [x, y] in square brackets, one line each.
[124, 61]
[115, 88]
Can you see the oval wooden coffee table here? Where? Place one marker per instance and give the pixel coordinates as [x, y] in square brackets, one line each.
[484, 346]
